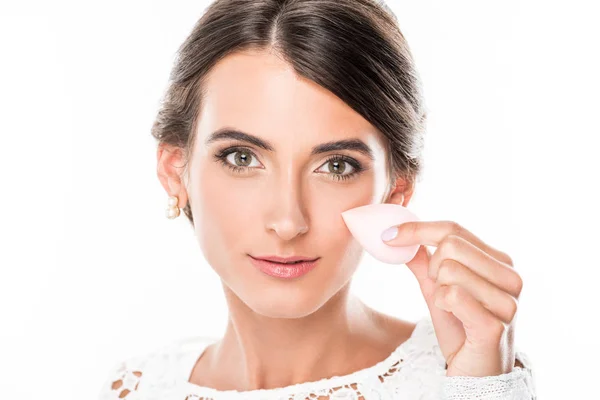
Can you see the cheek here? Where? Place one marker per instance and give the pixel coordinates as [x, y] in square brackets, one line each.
[329, 201]
[222, 209]
[226, 201]
[335, 240]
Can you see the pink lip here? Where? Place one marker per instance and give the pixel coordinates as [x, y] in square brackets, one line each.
[280, 270]
[285, 259]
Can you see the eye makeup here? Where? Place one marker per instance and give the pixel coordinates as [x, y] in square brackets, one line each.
[357, 168]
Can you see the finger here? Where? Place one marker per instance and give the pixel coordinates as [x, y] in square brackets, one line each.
[497, 301]
[494, 271]
[419, 266]
[481, 326]
[432, 233]
[449, 329]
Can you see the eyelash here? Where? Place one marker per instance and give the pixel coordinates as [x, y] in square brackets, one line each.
[222, 158]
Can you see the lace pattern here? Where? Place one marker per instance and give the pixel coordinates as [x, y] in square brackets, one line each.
[516, 385]
[414, 370]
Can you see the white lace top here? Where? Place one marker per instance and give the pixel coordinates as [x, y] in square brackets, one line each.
[414, 370]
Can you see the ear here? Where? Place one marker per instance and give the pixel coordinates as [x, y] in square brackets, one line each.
[170, 162]
[400, 193]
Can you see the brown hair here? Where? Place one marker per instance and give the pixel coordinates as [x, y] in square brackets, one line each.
[353, 48]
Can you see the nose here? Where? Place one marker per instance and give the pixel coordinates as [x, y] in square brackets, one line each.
[286, 212]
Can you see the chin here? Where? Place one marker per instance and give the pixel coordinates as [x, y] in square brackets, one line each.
[273, 298]
[283, 301]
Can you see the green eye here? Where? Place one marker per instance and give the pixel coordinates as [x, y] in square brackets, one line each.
[338, 165]
[241, 156]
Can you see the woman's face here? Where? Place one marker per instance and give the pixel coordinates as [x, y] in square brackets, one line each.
[250, 201]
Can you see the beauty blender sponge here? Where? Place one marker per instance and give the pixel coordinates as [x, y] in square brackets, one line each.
[367, 223]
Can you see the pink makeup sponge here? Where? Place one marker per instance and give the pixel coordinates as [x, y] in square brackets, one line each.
[366, 223]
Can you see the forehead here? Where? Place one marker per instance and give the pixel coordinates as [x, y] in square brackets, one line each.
[259, 93]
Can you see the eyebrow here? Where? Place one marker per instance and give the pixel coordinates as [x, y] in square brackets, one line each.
[345, 144]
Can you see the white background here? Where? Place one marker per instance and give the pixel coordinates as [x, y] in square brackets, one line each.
[92, 272]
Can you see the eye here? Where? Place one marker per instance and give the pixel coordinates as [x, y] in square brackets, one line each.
[237, 159]
[338, 165]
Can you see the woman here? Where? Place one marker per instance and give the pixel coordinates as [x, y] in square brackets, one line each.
[279, 116]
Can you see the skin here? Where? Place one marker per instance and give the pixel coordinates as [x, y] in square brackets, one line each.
[472, 292]
[285, 202]
[289, 202]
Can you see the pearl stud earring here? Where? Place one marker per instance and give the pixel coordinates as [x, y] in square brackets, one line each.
[172, 211]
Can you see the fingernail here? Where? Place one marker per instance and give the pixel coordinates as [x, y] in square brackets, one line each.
[389, 233]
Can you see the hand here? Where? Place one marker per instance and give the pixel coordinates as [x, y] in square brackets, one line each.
[471, 290]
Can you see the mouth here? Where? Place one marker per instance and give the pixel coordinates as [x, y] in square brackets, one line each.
[286, 260]
[289, 268]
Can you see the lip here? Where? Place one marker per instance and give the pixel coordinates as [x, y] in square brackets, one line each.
[285, 259]
[286, 271]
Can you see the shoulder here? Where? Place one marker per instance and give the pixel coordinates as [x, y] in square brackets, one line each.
[152, 373]
[416, 335]
[413, 344]
[129, 377]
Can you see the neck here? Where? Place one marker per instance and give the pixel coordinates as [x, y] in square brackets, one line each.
[260, 352]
